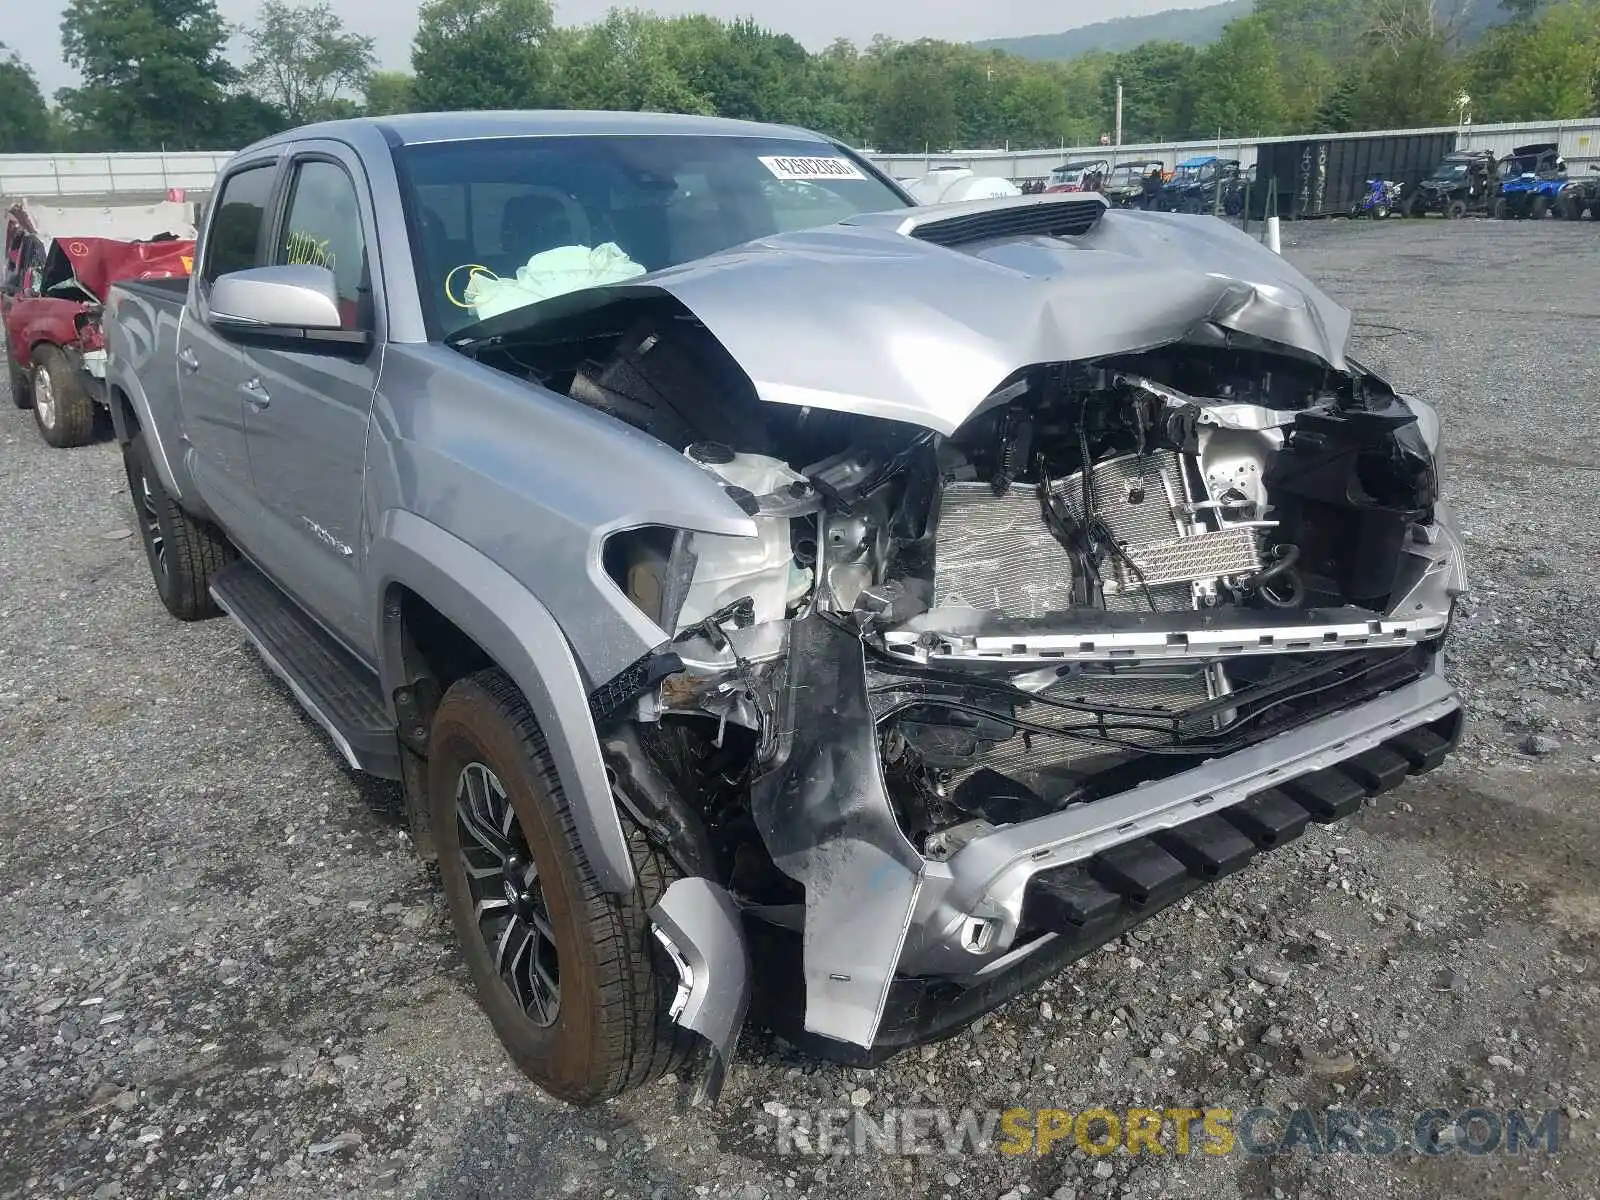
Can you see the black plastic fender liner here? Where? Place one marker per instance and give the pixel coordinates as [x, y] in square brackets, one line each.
[823, 811]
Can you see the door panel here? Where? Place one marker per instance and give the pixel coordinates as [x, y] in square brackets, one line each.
[210, 369]
[306, 412]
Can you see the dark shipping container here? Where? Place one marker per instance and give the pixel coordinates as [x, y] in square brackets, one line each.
[1325, 177]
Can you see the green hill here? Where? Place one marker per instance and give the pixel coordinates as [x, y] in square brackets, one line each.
[1192, 26]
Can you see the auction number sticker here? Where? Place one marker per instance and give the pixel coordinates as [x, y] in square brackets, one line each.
[812, 169]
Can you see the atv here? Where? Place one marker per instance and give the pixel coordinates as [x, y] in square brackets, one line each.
[1533, 179]
[1193, 188]
[1464, 183]
[1125, 186]
[1578, 197]
[1382, 198]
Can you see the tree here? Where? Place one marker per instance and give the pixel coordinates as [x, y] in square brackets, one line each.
[153, 72]
[388, 92]
[24, 119]
[1158, 83]
[483, 54]
[915, 111]
[1546, 68]
[1239, 83]
[301, 59]
[1412, 74]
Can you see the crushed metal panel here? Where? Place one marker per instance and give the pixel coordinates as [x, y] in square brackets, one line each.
[824, 814]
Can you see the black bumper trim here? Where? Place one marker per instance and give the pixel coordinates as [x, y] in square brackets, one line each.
[1070, 902]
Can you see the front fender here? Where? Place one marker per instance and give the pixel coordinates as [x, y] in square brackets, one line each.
[507, 621]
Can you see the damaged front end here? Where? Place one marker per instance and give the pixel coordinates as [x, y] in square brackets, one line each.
[999, 677]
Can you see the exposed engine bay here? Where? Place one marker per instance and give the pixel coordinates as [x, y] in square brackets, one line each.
[1113, 568]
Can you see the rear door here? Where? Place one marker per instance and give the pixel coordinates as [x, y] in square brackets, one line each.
[210, 369]
[306, 410]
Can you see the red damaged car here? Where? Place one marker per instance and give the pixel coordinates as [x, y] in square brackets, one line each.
[59, 265]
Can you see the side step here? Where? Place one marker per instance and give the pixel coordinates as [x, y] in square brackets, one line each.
[339, 692]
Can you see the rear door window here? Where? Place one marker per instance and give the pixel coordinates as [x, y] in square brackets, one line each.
[234, 240]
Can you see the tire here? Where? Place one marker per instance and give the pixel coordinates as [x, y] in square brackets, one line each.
[1381, 213]
[1568, 208]
[1540, 208]
[1501, 210]
[1456, 210]
[184, 552]
[63, 409]
[607, 1030]
[1411, 208]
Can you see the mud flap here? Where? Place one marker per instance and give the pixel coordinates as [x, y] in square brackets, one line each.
[698, 924]
[824, 814]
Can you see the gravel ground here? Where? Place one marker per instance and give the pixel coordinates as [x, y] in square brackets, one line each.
[220, 975]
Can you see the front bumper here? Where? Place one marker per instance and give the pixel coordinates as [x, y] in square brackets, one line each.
[882, 920]
[1014, 906]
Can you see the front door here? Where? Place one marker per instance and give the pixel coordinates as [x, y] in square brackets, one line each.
[306, 411]
[210, 369]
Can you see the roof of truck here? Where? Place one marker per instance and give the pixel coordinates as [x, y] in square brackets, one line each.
[409, 129]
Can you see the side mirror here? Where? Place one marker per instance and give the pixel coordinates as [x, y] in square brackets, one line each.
[292, 307]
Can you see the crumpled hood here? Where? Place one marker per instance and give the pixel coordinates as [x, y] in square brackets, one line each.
[860, 317]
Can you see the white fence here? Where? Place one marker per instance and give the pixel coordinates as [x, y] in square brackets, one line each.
[49, 176]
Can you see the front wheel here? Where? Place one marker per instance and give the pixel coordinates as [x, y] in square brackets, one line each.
[1381, 213]
[1457, 210]
[62, 406]
[1540, 208]
[184, 552]
[567, 973]
[1501, 210]
[1412, 207]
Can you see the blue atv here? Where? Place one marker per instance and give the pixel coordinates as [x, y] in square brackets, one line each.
[1532, 179]
[1194, 186]
[1382, 198]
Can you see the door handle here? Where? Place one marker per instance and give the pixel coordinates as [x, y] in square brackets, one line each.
[254, 394]
[188, 361]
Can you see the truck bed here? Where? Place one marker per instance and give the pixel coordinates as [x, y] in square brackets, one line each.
[162, 289]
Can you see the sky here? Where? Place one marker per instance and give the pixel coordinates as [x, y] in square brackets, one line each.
[814, 22]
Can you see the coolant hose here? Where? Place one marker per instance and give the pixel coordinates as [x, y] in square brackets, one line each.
[1281, 569]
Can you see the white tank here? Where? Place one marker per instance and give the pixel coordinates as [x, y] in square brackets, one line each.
[950, 184]
[761, 567]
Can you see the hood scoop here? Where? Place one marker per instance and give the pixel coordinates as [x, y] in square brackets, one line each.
[1061, 214]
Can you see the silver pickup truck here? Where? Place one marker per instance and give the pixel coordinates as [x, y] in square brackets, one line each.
[777, 599]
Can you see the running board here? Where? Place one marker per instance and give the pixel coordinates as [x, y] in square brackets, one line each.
[338, 691]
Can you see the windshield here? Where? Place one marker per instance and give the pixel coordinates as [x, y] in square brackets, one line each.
[1450, 170]
[572, 212]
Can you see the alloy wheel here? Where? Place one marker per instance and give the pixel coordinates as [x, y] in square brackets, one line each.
[44, 399]
[508, 902]
[152, 525]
